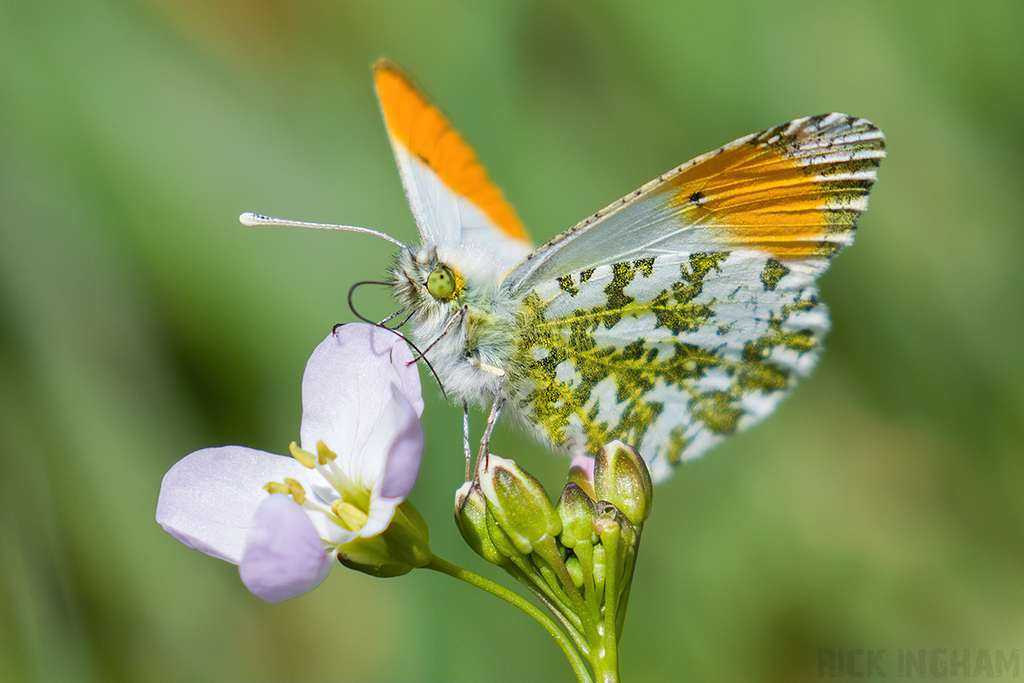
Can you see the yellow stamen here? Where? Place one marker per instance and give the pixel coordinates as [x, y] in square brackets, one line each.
[290, 487]
[298, 493]
[304, 457]
[274, 487]
[324, 454]
[351, 517]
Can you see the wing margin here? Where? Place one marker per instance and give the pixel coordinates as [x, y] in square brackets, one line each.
[450, 193]
[793, 191]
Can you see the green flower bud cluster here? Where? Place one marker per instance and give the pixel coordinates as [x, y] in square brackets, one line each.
[577, 555]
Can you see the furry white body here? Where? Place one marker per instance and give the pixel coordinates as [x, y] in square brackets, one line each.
[469, 340]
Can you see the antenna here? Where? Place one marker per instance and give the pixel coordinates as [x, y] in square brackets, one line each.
[381, 325]
[254, 219]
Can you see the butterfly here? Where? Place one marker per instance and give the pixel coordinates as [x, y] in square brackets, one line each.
[672, 318]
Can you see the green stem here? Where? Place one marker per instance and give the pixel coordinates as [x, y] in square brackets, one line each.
[604, 660]
[575, 661]
[548, 552]
[554, 600]
[582, 645]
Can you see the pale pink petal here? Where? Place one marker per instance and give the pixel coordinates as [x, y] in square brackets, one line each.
[398, 435]
[348, 382]
[390, 462]
[382, 510]
[405, 451]
[209, 498]
[283, 556]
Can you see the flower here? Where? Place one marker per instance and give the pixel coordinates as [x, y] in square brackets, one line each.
[341, 493]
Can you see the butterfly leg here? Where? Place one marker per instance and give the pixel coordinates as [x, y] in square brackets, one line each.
[492, 418]
[465, 437]
[494, 370]
[451, 321]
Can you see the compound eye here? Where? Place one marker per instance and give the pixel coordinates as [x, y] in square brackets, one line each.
[441, 283]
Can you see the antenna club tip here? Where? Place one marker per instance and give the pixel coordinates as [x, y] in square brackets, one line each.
[250, 219]
[253, 219]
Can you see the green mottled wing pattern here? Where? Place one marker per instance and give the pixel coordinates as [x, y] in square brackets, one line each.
[669, 353]
[686, 310]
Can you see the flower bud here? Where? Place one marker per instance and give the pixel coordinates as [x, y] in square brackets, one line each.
[621, 478]
[518, 502]
[502, 543]
[577, 511]
[402, 547]
[471, 516]
[581, 473]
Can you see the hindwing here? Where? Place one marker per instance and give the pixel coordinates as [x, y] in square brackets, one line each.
[685, 311]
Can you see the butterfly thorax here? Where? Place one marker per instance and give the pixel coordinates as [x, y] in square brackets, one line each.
[461, 320]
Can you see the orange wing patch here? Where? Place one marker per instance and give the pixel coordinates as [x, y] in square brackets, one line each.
[794, 191]
[424, 130]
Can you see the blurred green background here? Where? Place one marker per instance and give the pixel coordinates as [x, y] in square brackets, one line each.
[879, 508]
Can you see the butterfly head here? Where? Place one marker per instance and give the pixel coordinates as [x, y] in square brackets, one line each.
[426, 284]
[444, 278]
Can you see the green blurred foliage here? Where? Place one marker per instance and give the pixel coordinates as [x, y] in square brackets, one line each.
[880, 508]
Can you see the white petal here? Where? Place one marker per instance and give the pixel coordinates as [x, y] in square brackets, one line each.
[348, 382]
[283, 556]
[381, 511]
[209, 498]
[390, 461]
[404, 450]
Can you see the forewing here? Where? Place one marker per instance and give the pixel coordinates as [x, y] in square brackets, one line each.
[453, 200]
[686, 311]
[793, 191]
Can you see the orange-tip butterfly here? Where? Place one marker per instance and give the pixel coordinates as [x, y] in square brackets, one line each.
[674, 317]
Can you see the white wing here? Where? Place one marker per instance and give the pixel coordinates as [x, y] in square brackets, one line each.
[685, 311]
[452, 199]
[793, 191]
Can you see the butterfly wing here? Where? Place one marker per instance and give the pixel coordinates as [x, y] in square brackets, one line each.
[453, 200]
[686, 310]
